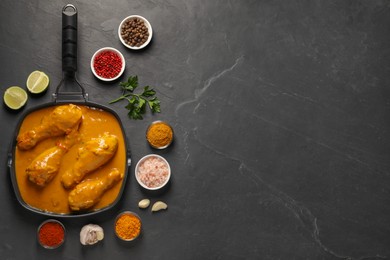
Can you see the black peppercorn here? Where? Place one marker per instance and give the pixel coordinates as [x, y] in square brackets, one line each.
[134, 32]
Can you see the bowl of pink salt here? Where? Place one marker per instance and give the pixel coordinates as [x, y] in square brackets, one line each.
[152, 172]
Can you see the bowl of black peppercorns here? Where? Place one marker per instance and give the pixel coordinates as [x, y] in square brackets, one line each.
[135, 32]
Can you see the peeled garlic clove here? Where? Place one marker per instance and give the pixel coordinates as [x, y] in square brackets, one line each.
[159, 205]
[143, 204]
[99, 235]
[91, 234]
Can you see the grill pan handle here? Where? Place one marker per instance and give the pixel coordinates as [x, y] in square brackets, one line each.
[69, 40]
[69, 56]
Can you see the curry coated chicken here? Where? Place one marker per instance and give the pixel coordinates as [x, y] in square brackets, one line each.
[59, 122]
[46, 165]
[92, 155]
[89, 192]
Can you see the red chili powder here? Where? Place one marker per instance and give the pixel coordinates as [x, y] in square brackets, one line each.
[51, 234]
[107, 64]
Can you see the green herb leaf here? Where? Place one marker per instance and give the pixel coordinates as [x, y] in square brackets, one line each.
[137, 102]
[131, 84]
[154, 105]
[134, 114]
[148, 92]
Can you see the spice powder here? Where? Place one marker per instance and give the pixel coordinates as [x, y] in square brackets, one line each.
[51, 234]
[128, 226]
[159, 135]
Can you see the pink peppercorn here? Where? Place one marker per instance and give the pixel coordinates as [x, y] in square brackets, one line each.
[107, 64]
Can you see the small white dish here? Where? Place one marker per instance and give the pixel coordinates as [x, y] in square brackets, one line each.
[108, 49]
[150, 172]
[148, 26]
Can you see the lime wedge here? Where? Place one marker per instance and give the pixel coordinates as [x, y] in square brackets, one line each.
[15, 97]
[37, 82]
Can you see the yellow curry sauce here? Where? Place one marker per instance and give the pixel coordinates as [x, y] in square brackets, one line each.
[54, 197]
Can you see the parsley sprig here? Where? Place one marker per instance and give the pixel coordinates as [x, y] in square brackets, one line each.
[137, 102]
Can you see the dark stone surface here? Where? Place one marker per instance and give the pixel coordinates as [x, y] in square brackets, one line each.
[281, 116]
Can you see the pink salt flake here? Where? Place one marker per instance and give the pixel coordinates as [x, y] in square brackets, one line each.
[153, 172]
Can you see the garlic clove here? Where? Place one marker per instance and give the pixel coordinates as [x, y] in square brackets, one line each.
[99, 235]
[143, 204]
[159, 205]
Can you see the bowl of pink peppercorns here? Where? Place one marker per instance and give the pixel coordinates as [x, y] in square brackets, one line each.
[108, 64]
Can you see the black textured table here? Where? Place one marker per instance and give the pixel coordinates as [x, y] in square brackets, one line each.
[281, 117]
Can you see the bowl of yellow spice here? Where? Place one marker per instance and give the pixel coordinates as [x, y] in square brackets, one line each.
[127, 226]
[159, 134]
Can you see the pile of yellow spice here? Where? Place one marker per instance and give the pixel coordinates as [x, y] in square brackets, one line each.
[128, 226]
[159, 134]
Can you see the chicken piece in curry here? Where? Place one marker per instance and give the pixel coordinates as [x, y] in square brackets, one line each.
[59, 122]
[89, 192]
[92, 155]
[47, 164]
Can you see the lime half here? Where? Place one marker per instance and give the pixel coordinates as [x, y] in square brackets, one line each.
[37, 82]
[15, 97]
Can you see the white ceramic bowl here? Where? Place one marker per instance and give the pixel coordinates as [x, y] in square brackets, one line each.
[148, 157]
[147, 24]
[112, 50]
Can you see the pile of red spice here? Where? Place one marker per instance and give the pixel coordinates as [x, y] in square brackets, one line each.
[51, 234]
[107, 64]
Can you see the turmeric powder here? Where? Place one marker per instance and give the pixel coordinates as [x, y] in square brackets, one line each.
[159, 135]
[128, 226]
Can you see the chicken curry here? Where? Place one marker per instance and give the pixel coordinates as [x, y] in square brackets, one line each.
[70, 158]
